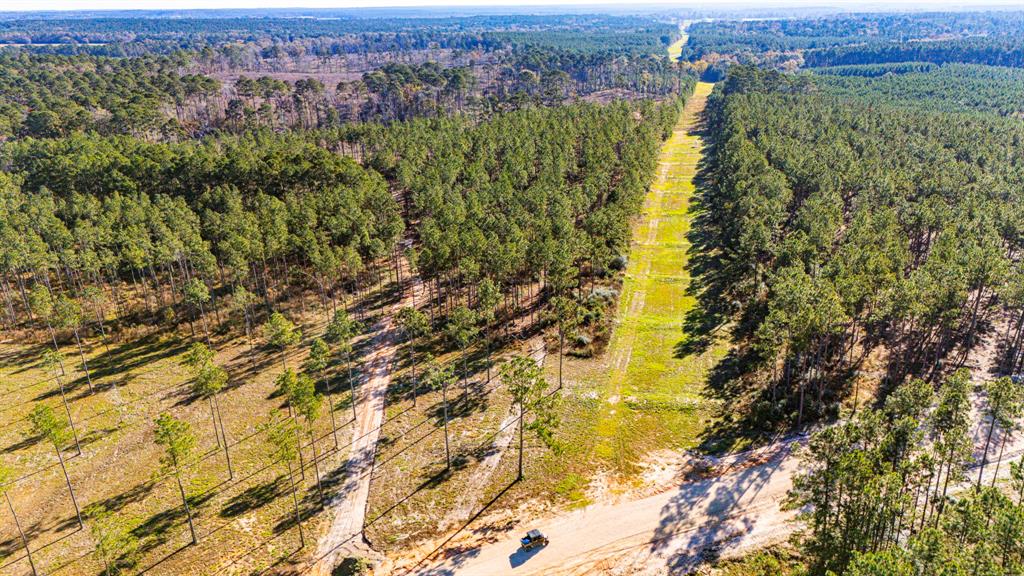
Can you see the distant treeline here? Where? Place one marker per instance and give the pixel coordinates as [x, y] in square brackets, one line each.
[969, 37]
[162, 97]
[949, 87]
[168, 79]
[134, 36]
[996, 51]
[875, 70]
[882, 25]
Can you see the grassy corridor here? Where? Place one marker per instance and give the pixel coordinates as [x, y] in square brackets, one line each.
[676, 49]
[650, 392]
[638, 396]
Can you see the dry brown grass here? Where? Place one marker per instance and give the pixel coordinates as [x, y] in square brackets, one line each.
[245, 525]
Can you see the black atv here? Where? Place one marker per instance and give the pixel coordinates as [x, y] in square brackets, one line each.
[533, 539]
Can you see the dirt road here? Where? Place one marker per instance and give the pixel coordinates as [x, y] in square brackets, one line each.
[345, 535]
[669, 533]
[651, 534]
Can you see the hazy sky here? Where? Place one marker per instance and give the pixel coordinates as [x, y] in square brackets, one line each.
[189, 4]
[16, 5]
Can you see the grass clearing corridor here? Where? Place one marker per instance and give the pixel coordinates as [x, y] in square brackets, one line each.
[653, 398]
[638, 396]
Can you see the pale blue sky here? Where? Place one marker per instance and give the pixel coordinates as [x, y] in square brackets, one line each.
[16, 5]
[194, 4]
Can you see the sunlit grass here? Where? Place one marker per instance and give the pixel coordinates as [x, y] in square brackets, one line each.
[243, 524]
[640, 395]
[676, 49]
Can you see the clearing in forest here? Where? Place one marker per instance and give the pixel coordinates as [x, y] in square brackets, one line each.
[676, 49]
[638, 395]
[244, 522]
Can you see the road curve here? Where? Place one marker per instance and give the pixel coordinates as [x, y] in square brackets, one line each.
[667, 530]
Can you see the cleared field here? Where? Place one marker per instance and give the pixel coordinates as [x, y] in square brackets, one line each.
[676, 49]
[245, 524]
[639, 396]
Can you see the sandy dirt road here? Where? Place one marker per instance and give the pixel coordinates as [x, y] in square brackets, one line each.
[658, 534]
[668, 533]
[348, 507]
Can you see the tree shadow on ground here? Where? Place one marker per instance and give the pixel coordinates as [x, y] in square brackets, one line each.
[50, 392]
[709, 277]
[27, 441]
[255, 497]
[287, 521]
[157, 530]
[264, 359]
[131, 355]
[744, 407]
[116, 503]
[431, 481]
[25, 357]
[96, 435]
[702, 513]
[9, 548]
[460, 405]
[377, 300]
[456, 556]
[388, 441]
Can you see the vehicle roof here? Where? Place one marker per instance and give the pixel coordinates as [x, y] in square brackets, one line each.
[534, 533]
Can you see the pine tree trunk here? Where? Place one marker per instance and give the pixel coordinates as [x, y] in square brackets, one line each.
[351, 385]
[53, 338]
[184, 501]
[800, 412]
[213, 303]
[488, 344]
[415, 379]
[999, 460]
[561, 342]
[98, 312]
[119, 304]
[85, 365]
[316, 466]
[21, 533]
[11, 314]
[465, 376]
[330, 409]
[67, 410]
[295, 502]
[206, 328]
[945, 489]
[447, 449]
[298, 446]
[248, 327]
[519, 476]
[984, 454]
[213, 420]
[159, 294]
[224, 436]
[67, 479]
